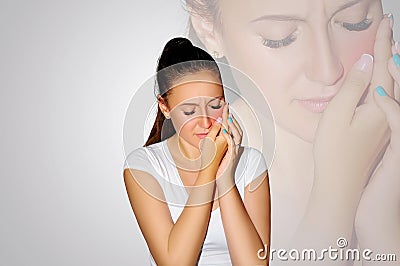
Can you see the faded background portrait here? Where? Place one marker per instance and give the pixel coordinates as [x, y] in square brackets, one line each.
[71, 69]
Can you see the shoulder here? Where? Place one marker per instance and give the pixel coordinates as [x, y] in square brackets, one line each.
[251, 165]
[144, 157]
[251, 157]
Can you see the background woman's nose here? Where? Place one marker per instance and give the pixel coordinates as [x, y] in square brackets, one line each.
[324, 64]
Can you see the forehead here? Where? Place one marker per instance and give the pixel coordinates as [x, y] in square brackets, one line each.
[297, 8]
[195, 87]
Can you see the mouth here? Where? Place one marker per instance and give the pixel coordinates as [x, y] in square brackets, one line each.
[201, 135]
[316, 105]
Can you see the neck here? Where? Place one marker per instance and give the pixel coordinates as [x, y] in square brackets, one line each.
[186, 156]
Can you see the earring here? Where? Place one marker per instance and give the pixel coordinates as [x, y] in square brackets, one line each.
[216, 54]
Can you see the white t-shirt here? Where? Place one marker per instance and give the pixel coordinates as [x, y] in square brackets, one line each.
[157, 161]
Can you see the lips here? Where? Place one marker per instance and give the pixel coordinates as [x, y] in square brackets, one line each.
[316, 105]
[201, 135]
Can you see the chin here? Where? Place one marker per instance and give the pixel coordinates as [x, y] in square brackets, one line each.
[302, 129]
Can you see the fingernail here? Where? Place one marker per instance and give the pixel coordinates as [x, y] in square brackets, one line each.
[365, 62]
[230, 119]
[219, 120]
[396, 59]
[224, 131]
[380, 91]
[390, 16]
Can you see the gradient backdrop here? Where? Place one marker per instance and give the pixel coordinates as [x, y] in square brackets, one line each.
[68, 70]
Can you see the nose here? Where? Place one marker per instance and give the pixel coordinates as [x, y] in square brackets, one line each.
[205, 121]
[323, 65]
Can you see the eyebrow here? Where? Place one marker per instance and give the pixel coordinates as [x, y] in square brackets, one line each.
[297, 18]
[347, 5]
[195, 104]
[278, 18]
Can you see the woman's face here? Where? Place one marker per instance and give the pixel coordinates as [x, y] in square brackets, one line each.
[195, 102]
[298, 51]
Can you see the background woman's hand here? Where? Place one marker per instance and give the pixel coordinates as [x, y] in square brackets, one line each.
[351, 136]
[379, 204]
[349, 139]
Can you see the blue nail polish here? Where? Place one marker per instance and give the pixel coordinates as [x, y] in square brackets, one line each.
[396, 59]
[230, 119]
[224, 131]
[380, 91]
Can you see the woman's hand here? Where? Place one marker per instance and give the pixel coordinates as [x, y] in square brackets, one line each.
[379, 204]
[213, 148]
[233, 136]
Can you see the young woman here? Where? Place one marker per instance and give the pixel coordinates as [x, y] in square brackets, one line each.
[327, 70]
[198, 196]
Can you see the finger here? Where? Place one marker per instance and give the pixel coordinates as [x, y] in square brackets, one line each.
[382, 53]
[215, 128]
[345, 102]
[394, 70]
[236, 123]
[225, 114]
[237, 137]
[391, 109]
[228, 139]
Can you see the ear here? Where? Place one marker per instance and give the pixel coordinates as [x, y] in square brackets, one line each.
[207, 34]
[163, 106]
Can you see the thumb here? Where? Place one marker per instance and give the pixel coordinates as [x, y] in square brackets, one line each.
[357, 80]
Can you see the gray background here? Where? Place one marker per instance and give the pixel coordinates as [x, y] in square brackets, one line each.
[68, 70]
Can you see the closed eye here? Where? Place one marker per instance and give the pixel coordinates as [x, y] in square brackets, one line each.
[189, 112]
[275, 44]
[360, 26]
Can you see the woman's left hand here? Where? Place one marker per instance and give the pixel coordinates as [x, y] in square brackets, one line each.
[233, 134]
[378, 214]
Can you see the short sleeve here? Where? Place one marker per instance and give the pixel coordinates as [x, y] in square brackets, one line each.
[138, 159]
[251, 165]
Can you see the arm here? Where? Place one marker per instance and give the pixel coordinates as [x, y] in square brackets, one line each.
[247, 226]
[169, 243]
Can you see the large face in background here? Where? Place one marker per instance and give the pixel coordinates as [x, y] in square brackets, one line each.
[297, 51]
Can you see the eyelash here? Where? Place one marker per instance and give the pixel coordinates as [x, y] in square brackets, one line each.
[363, 25]
[189, 113]
[216, 107]
[275, 44]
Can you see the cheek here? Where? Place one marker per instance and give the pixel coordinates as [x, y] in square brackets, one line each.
[184, 125]
[350, 47]
[215, 113]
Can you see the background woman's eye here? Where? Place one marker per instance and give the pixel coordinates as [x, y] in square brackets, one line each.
[280, 43]
[363, 25]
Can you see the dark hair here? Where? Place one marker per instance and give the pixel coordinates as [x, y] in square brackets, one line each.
[178, 59]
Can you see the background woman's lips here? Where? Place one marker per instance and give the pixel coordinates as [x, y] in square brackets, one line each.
[316, 105]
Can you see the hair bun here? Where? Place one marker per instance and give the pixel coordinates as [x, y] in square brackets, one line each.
[177, 50]
[178, 43]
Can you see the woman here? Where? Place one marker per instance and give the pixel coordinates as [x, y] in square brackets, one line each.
[189, 186]
[330, 87]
